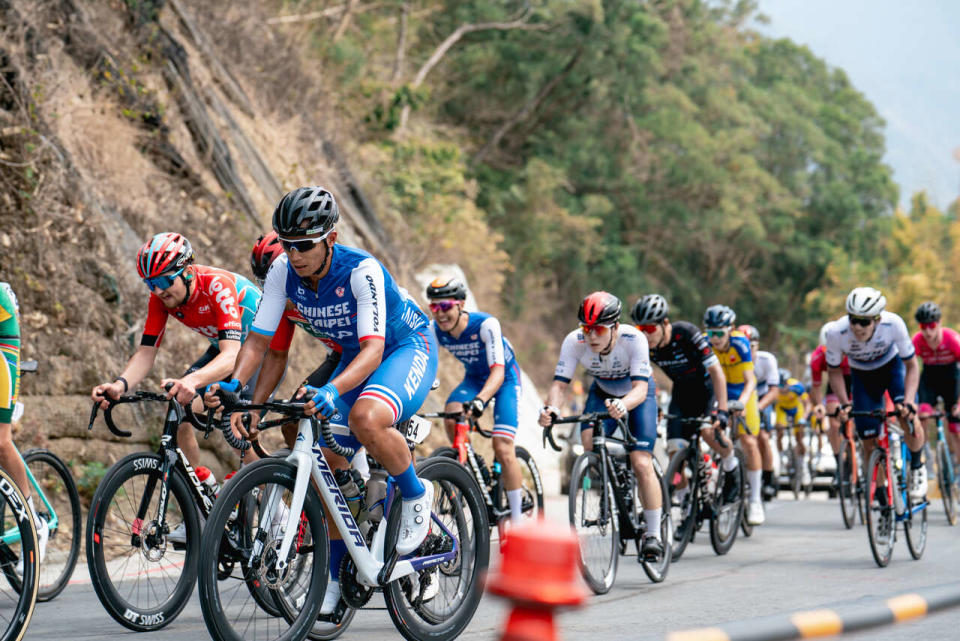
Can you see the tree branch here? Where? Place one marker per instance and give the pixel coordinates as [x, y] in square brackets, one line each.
[528, 108]
[401, 43]
[325, 13]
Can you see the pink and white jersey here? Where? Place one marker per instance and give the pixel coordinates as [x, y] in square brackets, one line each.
[628, 361]
[947, 352]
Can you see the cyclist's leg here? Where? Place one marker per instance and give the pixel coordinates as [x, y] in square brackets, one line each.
[748, 431]
[833, 432]
[642, 423]
[798, 432]
[895, 387]
[867, 390]
[766, 450]
[465, 392]
[9, 388]
[505, 423]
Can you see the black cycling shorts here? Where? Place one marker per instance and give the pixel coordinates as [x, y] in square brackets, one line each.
[938, 380]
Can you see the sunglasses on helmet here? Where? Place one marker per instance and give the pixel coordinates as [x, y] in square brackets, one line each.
[164, 281]
[860, 320]
[442, 306]
[598, 330]
[930, 325]
[304, 244]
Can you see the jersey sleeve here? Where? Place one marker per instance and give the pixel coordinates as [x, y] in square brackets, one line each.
[953, 342]
[222, 290]
[366, 282]
[156, 324]
[834, 353]
[901, 338]
[742, 346]
[640, 369]
[818, 365]
[283, 337]
[492, 339]
[773, 375]
[699, 345]
[273, 302]
[569, 356]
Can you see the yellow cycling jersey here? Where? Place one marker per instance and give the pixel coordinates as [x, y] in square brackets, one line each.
[736, 360]
[792, 396]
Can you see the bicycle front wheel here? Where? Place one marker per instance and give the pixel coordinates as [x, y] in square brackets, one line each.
[657, 572]
[19, 542]
[253, 511]
[948, 490]
[593, 514]
[726, 517]
[681, 500]
[915, 527]
[880, 518]
[59, 505]
[846, 490]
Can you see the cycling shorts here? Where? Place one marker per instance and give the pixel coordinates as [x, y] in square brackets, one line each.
[506, 400]
[868, 387]
[401, 382]
[689, 400]
[212, 352]
[940, 381]
[642, 419]
[768, 418]
[751, 415]
[788, 416]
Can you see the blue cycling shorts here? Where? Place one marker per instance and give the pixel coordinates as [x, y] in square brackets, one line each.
[401, 383]
[868, 386]
[505, 408]
[642, 419]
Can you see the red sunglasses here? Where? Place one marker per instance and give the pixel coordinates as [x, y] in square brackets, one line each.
[930, 325]
[648, 329]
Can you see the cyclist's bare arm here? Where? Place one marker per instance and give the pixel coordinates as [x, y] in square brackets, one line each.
[749, 385]
[357, 371]
[911, 380]
[271, 371]
[719, 382]
[136, 370]
[558, 390]
[248, 360]
[769, 398]
[492, 384]
[216, 370]
[838, 385]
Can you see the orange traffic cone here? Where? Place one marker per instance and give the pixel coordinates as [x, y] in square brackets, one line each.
[538, 574]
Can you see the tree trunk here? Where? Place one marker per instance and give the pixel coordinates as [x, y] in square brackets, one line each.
[401, 43]
[344, 20]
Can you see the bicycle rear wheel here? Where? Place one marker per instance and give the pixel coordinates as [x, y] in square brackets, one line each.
[459, 517]
[915, 527]
[846, 490]
[726, 517]
[745, 527]
[231, 610]
[657, 572]
[593, 514]
[881, 523]
[948, 491]
[681, 504]
[63, 544]
[19, 542]
[141, 577]
[795, 473]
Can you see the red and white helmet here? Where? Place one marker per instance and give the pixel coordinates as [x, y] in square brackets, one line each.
[266, 250]
[165, 253]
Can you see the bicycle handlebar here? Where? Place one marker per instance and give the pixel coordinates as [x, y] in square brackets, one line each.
[590, 417]
[471, 421]
[183, 411]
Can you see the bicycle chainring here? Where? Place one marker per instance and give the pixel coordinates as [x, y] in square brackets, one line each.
[352, 592]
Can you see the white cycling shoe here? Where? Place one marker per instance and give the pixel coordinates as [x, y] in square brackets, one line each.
[415, 521]
[331, 597]
[179, 535]
[755, 514]
[43, 535]
[918, 484]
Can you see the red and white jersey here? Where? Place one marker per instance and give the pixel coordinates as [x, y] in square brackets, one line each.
[890, 339]
[628, 361]
[947, 352]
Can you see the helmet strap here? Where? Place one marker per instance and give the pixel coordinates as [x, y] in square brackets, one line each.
[609, 347]
[187, 282]
[326, 259]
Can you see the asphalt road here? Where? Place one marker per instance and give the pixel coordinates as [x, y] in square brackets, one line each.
[801, 559]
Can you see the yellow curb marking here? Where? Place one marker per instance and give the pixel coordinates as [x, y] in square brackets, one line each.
[907, 606]
[817, 623]
[699, 634]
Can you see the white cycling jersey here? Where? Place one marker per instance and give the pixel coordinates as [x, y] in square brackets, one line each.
[890, 339]
[767, 371]
[628, 361]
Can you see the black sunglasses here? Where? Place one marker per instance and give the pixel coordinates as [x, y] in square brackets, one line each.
[301, 245]
[858, 320]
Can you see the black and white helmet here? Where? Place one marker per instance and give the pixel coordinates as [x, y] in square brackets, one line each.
[866, 302]
[719, 316]
[928, 312]
[447, 287]
[650, 309]
[306, 211]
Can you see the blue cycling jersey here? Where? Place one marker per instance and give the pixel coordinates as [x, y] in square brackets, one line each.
[479, 347]
[357, 300]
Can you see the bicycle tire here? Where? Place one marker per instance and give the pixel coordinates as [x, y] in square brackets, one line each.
[725, 522]
[846, 491]
[587, 473]
[795, 479]
[17, 606]
[531, 484]
[948, 491]
[432, 620]
[915, 529]
[683, 516]
[217, 610]
[657, 572]
[879, 517]
[105, 539]
[745, 526]
[812, 454]
[63, 544]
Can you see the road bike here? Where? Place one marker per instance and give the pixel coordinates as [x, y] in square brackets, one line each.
[142, 565]
[891, 503]
[284, 545]
[696, 483]
[58, 503]
[489, 478]
[850, 487]
[791, 463]
[946, 475]
[605, 506]
[19, 542]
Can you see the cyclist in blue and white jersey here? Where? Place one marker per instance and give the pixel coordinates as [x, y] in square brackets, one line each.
[388, 361]
[882, 359]
[491, 373]
[618, 358]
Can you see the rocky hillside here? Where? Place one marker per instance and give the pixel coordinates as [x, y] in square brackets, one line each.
[120, 119]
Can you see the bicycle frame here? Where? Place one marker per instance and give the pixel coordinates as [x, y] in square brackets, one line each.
[12, 535]
[376, 566]
[883, 442]
[942, 438]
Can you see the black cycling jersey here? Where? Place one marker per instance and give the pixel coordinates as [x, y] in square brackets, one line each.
[687, 356]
